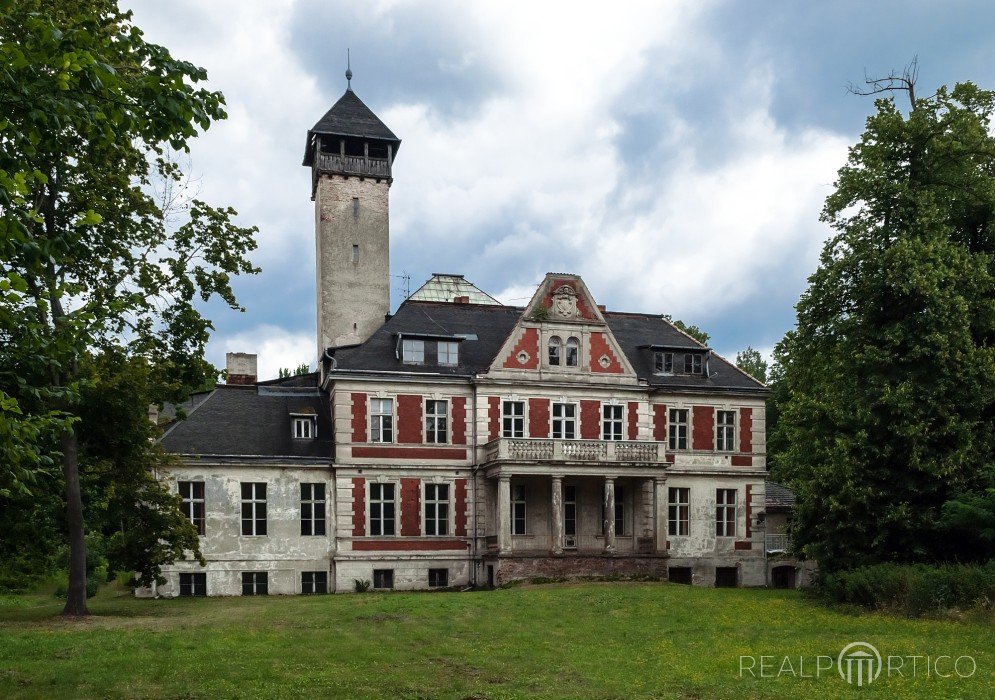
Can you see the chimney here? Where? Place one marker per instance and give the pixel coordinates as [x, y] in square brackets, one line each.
[154, 414]
[602, 308]
[461, 300]
[241, 368]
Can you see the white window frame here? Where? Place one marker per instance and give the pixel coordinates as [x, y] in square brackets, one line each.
[448, 353]
[673, 429]
[612, 426]
[678, 511]
[256, 502]
[305, 428]
[412, 351]
[317, 507]
[515, 418]
[555, 342]
[571, 350]
[433, 421]
[378, 417]
[563, 420]
[381, 501]
[725, 433]
[519, 499]
[725, 512]
[190, 501]
[432, 502]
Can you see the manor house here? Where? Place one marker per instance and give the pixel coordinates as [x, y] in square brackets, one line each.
[460, 441]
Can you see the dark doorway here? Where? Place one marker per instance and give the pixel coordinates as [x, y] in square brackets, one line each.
[490, 576]
[726, 577]
[784, 577]
[679, 574]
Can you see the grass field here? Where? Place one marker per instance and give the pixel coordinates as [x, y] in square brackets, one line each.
[589, 640]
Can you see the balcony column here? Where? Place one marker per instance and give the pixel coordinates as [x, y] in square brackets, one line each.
[660, 512]
[609, 514]
[504, 514]
[557, 543]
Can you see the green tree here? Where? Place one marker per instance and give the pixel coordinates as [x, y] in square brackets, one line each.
[693, 331]
[889, 409]
[88, 112]
[751, 362]
[286, 372]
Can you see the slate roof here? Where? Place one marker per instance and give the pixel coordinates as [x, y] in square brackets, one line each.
[779, 497]
[492, 324]
[446, 287]
[252, 421]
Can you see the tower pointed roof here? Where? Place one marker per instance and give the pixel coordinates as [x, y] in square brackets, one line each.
[350, 117]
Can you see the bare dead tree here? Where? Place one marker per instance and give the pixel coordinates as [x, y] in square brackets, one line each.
[893, 82]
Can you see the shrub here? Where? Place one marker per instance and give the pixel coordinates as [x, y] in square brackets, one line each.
[92, 584]
[361, 585]
[914, 589]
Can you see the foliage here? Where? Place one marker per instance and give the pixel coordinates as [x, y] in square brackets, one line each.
[585, 641]
[970, 518]
[93, 261]
[890, 410]
[914, 589]
[361, 585]
[753, 363]
[693, 331]
[285, 372]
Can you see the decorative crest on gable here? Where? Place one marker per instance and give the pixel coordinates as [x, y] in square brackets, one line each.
[564, 304]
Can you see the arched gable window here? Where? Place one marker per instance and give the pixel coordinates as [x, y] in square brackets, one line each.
[573, 352]
[555, 345]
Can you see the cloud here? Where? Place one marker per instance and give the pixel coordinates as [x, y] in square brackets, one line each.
[273, 345]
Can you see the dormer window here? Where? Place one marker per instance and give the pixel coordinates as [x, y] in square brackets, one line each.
[304, 428]
[692, 363]
[663, 362]
[573, 352]
[555, 346]
[448, 353]
[413, 351]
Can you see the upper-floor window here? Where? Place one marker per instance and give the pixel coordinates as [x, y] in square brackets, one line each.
[725, 431]
[692, 363]
[192, 493]
[436, 509]
[381, 420]
[448, 353]
[518, 510]
[679, 512]
[678, 429]
[312, 509]
[564, 421]
[555, 350]
[611, 421]
[572, 352]
[382, 508]
[436, 421]
[513, 421]
[413, 351]
[304, 428]
[254, 508]
[663, 363]
[725, 512]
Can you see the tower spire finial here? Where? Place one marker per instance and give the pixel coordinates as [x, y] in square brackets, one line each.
[348, 71]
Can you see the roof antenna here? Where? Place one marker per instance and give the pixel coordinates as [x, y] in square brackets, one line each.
[348, 71]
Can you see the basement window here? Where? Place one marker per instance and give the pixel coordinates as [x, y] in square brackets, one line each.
[438, 578]
[314, 582]
[383, 579]
[193, 584]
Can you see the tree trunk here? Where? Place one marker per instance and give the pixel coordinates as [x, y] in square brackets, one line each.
[76, 600]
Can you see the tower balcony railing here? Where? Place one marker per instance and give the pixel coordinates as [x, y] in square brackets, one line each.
[547, 450]
[353, 165]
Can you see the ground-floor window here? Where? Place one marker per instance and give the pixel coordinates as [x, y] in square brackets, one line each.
[314, 582]
[569, 510]
[383, 578]
[255, 583]
[518, 510]
[726, 577]
[438, 578]
[679, 512]
[679, 574]
[193, 584]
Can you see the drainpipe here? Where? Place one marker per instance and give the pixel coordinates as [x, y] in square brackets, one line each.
[473, 484]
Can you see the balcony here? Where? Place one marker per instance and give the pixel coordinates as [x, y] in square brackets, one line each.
[777, 544]
[352, 165]
[544, 450]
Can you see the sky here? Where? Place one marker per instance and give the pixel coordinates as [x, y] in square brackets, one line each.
[676, 155]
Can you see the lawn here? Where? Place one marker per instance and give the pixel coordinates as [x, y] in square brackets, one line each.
[585, 640]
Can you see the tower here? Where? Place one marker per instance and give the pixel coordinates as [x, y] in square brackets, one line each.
[351, 153]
